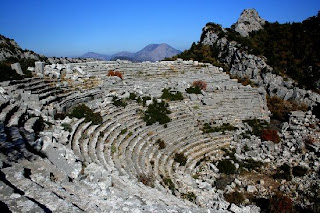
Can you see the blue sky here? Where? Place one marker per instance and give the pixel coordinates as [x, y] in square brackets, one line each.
[74, 27]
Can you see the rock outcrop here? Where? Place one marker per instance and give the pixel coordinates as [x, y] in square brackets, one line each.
[9, 48]
[245, 65]
[249, 21]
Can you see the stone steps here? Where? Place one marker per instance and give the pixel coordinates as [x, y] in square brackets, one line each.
[79, 134]
[15, 201]
[42, 195]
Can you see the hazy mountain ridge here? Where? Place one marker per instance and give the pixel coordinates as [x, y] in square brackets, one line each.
[96, 56]
[152, 52]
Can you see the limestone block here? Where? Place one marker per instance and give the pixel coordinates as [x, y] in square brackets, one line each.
[79, 70]
[61, 157]
[39, 67]
[17, 68]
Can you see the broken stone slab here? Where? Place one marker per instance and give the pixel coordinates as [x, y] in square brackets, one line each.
[39, 67]
[17, 68]
[61, 157]
[251, 189]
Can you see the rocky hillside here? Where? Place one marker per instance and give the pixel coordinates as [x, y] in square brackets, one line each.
[281, 58]
[11, 53]
[9, 49]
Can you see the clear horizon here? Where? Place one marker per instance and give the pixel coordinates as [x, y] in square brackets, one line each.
[72, 28]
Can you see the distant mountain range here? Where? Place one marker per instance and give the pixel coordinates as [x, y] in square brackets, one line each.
[96, 56]
[152, 52]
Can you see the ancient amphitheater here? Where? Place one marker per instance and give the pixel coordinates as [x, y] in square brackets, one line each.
[117, 166]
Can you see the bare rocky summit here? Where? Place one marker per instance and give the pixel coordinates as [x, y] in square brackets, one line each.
[248, 21]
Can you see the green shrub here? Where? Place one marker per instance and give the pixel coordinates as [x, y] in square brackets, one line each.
[166, 94]
[257, 126]
[113, 149]
[189, 196]
[124, 131]
[157, 112]
[118, 102]
[161, 144]
[7, 73]
[39, 125]
[194, 90]
[132, 96]
[283, 172]
[168, 182]
[144, 100]
[207, 128]
[234, 197]
[66, 127]
[82, 111]
[226, 166]
[180, 158]
[299, 171]
[251, 164]
[59, 116]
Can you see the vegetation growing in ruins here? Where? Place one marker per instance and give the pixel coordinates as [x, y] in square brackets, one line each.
[39, 125]
[270, 135]
[200, 83]
[234, 197]
[292, 49]
[223, 181]
[119, 102]
[189, 196]
[59, 116]
[172, 96]
[244, 81]
[194, 90]
[202, 53]
[180, 158]
[248, 164]
[281, 204]
[132, 96]
[257, 126]
[8, 74]
[82, 111]
[66, 127]
[147, 180]
[226, 166]
[207, 128]
[168, 182]
[113, 149]
[299, 171]
[283, 172]
[115, 73]
[161, 143]
[280, 108]
[157, 112]
[123, 131]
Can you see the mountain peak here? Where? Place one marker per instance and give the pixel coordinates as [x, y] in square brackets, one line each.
[249, 21]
